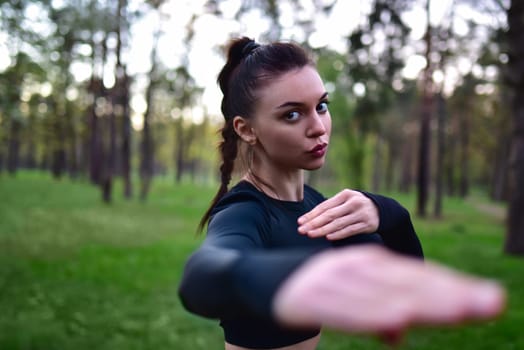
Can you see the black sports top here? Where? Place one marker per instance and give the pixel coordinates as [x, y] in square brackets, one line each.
[252, 246]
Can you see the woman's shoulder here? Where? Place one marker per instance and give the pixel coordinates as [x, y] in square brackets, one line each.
[243, 197]
[241, 212]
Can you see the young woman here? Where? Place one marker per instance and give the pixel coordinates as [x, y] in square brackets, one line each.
[279, 259]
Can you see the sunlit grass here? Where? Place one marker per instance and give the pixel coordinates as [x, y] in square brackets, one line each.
[79, 274]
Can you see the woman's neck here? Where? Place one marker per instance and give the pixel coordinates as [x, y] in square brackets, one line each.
[285, 186]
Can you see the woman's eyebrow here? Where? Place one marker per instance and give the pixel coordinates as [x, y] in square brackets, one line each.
[299, 104]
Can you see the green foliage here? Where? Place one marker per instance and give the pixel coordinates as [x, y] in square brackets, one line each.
[47, 41]
[78, 274]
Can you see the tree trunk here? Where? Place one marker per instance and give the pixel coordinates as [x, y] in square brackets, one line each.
[439, 176]
[109, 157]
[58, 160]
[406, 178]
[72, 136]
[3, 146]
[499, 178]
[356, 146]
[95, 147]
[450, 164]
[464, 153]
[126, 136]
[515, 230]
[499, 184]
[30, 137]
[146, 165]
[108, 136]
[377, 165]
[180, 150]
[121, 95]
[13, 146]
[392, 159]
[423, 175]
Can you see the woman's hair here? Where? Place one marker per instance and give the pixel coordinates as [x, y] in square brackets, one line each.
[250, 67]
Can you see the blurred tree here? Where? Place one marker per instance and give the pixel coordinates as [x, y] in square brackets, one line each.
[515, 77]
[118, 102]
[444, 37]
[12, 81]
[22, 69]
[400, 127]
[426, 109]
[373, 66]
[147, 146]
[185, 92]
[121, 96]
[64, 138]
[490, 130]
[331, 66]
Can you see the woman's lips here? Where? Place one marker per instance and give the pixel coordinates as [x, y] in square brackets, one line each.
[319, 150]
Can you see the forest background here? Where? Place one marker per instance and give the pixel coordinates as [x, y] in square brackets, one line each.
[426, 98]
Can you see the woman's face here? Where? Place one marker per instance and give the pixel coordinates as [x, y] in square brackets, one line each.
[292, 123]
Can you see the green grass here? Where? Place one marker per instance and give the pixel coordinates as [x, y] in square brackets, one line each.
[78, 274]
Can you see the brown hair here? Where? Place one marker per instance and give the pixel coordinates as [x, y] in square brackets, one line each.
[249, 67]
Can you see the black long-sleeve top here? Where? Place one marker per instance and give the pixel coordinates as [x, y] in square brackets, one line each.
[252, 245]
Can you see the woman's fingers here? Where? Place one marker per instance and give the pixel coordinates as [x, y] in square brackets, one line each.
[312, 216]
[368, 289]
[345, 214]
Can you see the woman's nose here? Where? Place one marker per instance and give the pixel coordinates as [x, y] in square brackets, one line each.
[316, 126]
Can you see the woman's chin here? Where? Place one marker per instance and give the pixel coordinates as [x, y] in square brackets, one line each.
[315, 166]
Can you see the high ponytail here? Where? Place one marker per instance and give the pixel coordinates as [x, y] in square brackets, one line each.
[249, 67]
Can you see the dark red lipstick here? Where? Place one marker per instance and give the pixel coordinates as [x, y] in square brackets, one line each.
[319, 150]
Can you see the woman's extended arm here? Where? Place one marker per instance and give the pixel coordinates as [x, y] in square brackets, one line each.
[360, 289]
[368, 289]
[363, 288]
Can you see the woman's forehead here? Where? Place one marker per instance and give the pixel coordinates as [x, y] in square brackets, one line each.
[300, 85]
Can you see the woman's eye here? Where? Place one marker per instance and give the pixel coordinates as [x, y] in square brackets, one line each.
[322, 107]
[293, 115]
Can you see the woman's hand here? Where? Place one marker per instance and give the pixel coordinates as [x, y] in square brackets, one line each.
[367, 289]
[346, 214]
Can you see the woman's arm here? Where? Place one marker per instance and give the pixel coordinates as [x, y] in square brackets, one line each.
[360, 289]
[231, 275]
[354, 289]
[368, 289]
[395, 226]
[350, 213]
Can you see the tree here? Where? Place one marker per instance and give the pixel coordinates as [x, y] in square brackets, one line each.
[121, 98]
[373, 65]
[11, 82]
[147, 146]
[423, 172]
[23, 69]
[186, 93]
[515, 77]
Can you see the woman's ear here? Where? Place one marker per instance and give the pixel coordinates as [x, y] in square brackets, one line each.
[244, 130]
